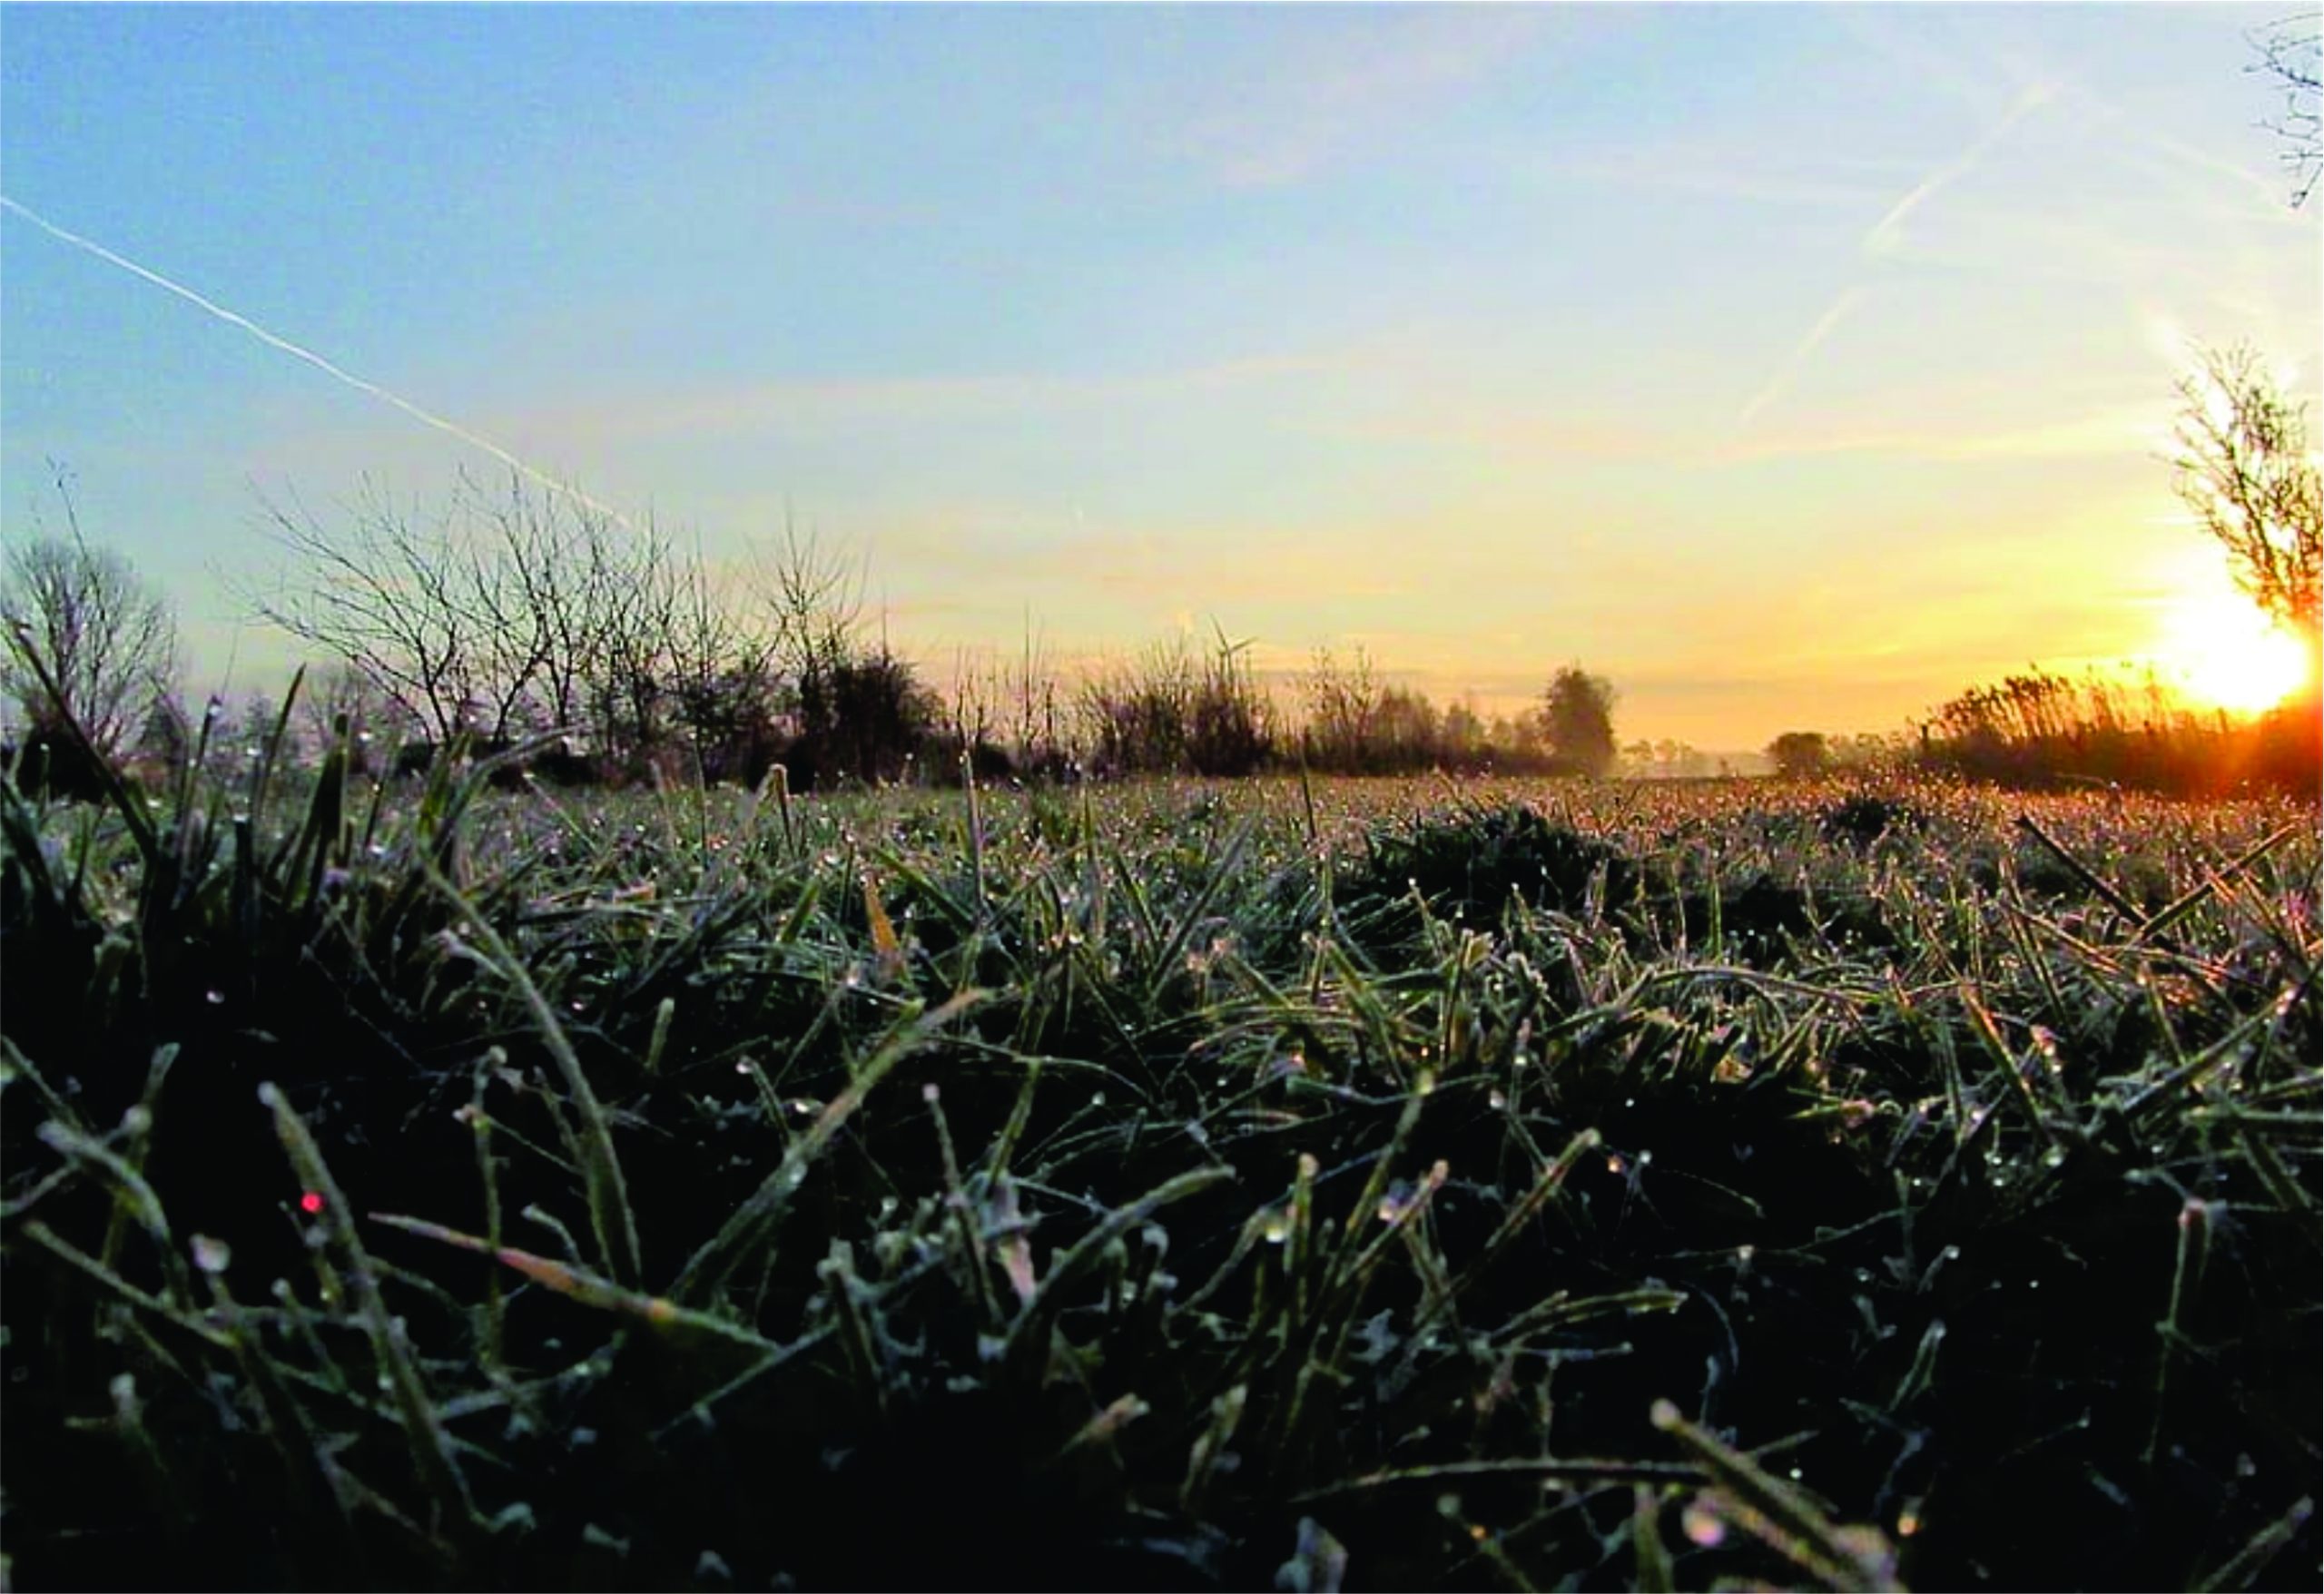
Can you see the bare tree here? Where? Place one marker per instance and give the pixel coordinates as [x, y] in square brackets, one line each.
[88, 640]
[2291, 55]
[343, 694]
[504, 613]
[385, 595]
[2244, 469]
[816, 601]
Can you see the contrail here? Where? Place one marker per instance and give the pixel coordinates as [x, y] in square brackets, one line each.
[1848, 299]
[1887, 235]
[337, 373]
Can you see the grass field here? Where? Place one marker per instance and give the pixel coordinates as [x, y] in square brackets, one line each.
[1374, 1185]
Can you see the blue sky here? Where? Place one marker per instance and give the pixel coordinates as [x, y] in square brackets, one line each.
[1793, 366]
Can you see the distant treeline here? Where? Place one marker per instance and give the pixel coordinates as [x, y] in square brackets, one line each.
[564, 645]
[614, 654]
[2046, 731]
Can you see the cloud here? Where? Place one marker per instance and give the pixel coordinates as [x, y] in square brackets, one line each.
[2125, 430]
[1708, 169]
[828, 401]
[1528, 435]
[1342, 80]
[1167, 566]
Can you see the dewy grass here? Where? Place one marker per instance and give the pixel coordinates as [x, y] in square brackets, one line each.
[1169, 1185]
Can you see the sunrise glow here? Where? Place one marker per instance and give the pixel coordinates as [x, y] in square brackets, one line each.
[1455, 336]
[2224, 652]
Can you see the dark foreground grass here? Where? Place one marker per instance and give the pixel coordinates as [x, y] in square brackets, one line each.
[1363, 1186]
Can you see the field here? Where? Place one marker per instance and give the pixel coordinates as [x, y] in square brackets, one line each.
[1365, 1185]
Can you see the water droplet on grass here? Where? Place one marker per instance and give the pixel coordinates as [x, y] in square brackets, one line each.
[1703, 1526]
[212, 1256]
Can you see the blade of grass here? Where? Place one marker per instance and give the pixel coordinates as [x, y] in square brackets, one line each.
[431, 1448]
[716, 1259]
[2244, 1566]
[1781, 1515]
[610, 1216]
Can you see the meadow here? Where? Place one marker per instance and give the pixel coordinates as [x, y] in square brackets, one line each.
[1272, 1184]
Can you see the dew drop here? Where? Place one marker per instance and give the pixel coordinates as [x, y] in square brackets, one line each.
[211, 1256]
[1702, 1525]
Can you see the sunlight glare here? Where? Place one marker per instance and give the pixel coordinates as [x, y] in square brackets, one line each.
[2224, 650]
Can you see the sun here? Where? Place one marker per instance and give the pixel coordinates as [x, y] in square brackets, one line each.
[2224, 650]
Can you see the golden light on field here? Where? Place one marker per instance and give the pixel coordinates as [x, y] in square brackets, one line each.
[2224, 652]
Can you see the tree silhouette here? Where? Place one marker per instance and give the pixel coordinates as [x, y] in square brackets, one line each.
[1578, 721]
[2245, 470]
[88, 640]
[2289, 52]
[1800, 754]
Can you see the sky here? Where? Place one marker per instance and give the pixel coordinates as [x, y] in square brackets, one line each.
[1792, 367]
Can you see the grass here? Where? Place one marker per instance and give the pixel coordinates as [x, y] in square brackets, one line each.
[1278, 1183]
